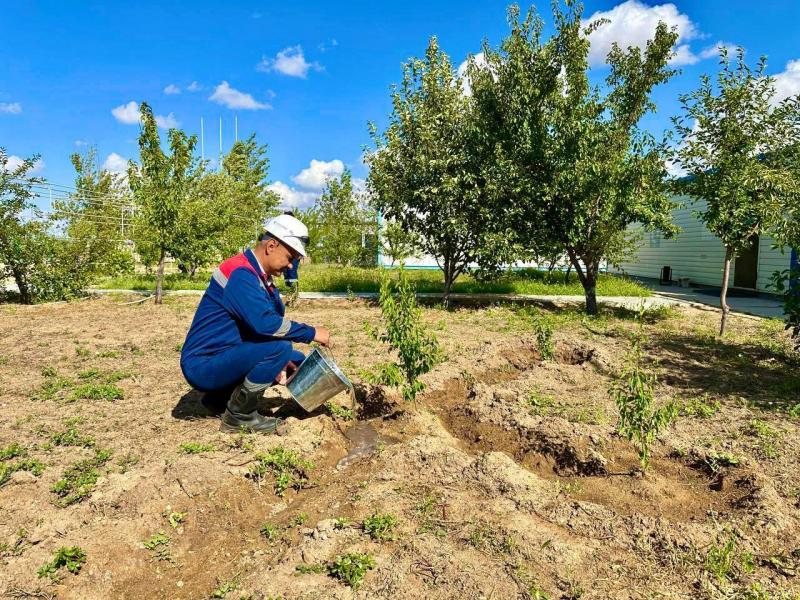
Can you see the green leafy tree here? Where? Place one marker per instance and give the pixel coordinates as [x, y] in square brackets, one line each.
[20, 240]
[93, 219]
[160, 184]
[425, 171]
[345, 227]
[733, 139]
[250, 200]
[397, 243]
[572, 166]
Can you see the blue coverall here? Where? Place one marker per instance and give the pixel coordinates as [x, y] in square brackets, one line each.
[239, 330]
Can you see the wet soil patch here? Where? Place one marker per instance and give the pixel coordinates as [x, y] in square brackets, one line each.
[589, 467]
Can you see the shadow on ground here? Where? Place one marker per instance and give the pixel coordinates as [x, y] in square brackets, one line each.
[766, 378]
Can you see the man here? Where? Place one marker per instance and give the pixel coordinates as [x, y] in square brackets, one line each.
[240, 342]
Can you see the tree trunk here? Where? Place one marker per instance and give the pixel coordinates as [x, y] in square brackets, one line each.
[723, 293]
[22, 286]
[160, 278]
[590, 290]
[588, 280]
[566, 274]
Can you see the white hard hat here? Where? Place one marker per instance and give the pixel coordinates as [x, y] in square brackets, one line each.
[288, 230]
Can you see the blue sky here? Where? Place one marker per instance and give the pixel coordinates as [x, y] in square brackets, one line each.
[305, 77]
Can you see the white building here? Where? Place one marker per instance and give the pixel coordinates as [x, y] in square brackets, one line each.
[697, 254]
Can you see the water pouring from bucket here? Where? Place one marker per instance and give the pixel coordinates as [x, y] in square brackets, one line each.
[318, 379]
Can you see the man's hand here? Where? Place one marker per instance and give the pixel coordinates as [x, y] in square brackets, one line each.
[323, 336]
[287, 373]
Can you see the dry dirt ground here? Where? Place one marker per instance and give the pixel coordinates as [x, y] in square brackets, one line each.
[507, 480]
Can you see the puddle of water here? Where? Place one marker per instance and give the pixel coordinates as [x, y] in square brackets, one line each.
[363, 440]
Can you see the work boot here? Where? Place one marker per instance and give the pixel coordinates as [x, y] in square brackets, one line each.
[242, 414]
[215, 401]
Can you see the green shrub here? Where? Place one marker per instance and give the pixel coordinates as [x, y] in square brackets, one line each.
[417, 349]
[727, 561]
[633, 392]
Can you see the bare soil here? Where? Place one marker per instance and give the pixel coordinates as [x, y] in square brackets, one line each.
[507, 479]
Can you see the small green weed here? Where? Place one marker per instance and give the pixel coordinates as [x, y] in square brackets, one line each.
[289, 470]
[543, 330]
[3, 361]
[12, 451]
[380, 526]
[225, 587]
[97, 391]
[72, 437]
[339, 412]
[270, 532]
[306, 569]
[700, 407]
[768, 438]
[32, 465]
[341, 523]
[350, 568]
[54, 384]
[540, 404]
[176, 519]
[300, 519]
[158, 544]
[79, 479]
[108, 354]
[485, 536]
[195, 448]
[71, 558]
[727, 561]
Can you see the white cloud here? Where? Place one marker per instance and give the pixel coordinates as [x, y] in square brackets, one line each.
[172, 89]
[713, 51]
[115, 163]
[80, 143]
[289, 61]
[480, 60]
[788, 83]
[11, 108]
[232, 98]
[168, 122]
[317, 173]
[293, 197]
[632, 23]
[13, 163]
[194, 87]
[129, 115]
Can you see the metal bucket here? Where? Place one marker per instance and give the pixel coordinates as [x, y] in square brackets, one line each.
[318, 379]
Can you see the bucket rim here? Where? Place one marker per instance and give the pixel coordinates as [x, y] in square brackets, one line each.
[331, 364]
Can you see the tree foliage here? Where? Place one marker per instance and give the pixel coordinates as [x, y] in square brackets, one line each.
[733, 146]
[342, 227]
[425, 171]
[160, 185]
[573, 166]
